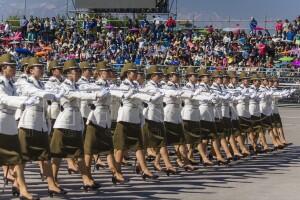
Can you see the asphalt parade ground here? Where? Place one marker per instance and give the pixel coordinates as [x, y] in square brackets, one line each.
[272, 176]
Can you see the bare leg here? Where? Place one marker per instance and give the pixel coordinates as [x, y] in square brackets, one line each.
[216, 147]
[118, 159]
[52, 185]
[112, 166]
[242, 145]
[165, 156]
[224, 145]
[141, 159]
[19, 173]
[233, 145]
[71, 164]
[202, 152]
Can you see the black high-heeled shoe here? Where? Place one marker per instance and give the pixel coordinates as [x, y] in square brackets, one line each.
[221, 162]
[33, 198]
[72, 171]
[53, 193]
[207, 164]
[95, 186]
[188, 168]
[156, 168]
[193, 162]
[15, 191]
[137, 169]
[116, 181]
[98, 166]
[170, 171]
[237, 157]
[146, 176]
[150, 158]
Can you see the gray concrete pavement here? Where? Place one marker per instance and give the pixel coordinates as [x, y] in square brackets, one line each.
[273, 176]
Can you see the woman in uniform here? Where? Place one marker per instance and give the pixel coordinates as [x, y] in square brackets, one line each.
[98, 137]
[154, 130]
[173, 120]
[128, 133]
[10, 152]
[34, 127]
[66, 141]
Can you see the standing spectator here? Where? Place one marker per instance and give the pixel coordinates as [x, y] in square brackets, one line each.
[6, 28]
[30, 30]
[24, 23]
[286, 26]
[279, 28]
[171, 24]
[253, 24]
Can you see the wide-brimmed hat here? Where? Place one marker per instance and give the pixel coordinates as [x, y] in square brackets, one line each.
[191, 71]
[70, 64]
[103, 66]
[217, 74]
[232, 74]
[172, 70]
[262, 76]
[254, 77]
[128, 67]
[244, 75]
[153, 70]
[85, 65]
[54, 64]
[34, 62]
[7, 59]
[203, 72]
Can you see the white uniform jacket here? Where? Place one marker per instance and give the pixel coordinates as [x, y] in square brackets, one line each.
[254, 101]
[35, 117]
[190, 110]
[53, 84]
[206, 105]
[84, 104]
[70, 117]
[243, 102]
[172, 110]
[19, 85]
[9, 102]
[130, 110]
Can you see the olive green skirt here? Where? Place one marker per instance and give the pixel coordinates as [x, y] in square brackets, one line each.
[10, 152]
[34, 145]
[113, 127]
[276, 121]
[235, 130]
[227, 126]
[154, 134]
[266, 122]
[174, 133]
[208, 129]
[220, 127]
[66, 144]
[245, 125]
[128, 136]
[256, 124]
[97, 140]
[192, 132]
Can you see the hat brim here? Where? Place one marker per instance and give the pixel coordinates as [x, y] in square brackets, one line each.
[70, 68]
[8, 63]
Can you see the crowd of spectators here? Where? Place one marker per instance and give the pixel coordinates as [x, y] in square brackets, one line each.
[154, 41]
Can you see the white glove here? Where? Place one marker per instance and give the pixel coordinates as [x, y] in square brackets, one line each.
[197, 92]
[129, 93]
[31, 101]
[179, 93]
[60, 94]
[227, 96]
[156, 96]
[102, 93]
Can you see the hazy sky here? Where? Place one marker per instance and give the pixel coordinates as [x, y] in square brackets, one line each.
[199, 9]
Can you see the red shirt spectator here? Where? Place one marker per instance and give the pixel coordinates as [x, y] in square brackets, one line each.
[171, 23]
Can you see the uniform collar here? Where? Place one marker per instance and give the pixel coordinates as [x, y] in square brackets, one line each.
[54, 79]
[36, 82]
[192, 85]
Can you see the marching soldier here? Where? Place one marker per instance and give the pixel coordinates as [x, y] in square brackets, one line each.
[191, 116]
[154, 129]
[265, 105]
[207, 118]
[10, 152]
[173, 120]
[33, 125]
[219, 120]
[128, 134]
[67, 139]
[235, 124]
[53, 83]
[98, 137]
[226, 114]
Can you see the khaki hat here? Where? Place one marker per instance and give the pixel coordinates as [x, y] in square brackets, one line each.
[164, 70]
[85, 65]
[53, 64]
[34, 61]
[225, 74]
[172, 70]
[103, 66]
[24, 61]
[217, 74]
[254, 77]
[128, 67]
[203, 72]
[190, 71]
[244, 75]
[7, 59]
[153, 70]
[232, 74]
[262, 76]
[70, 64]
